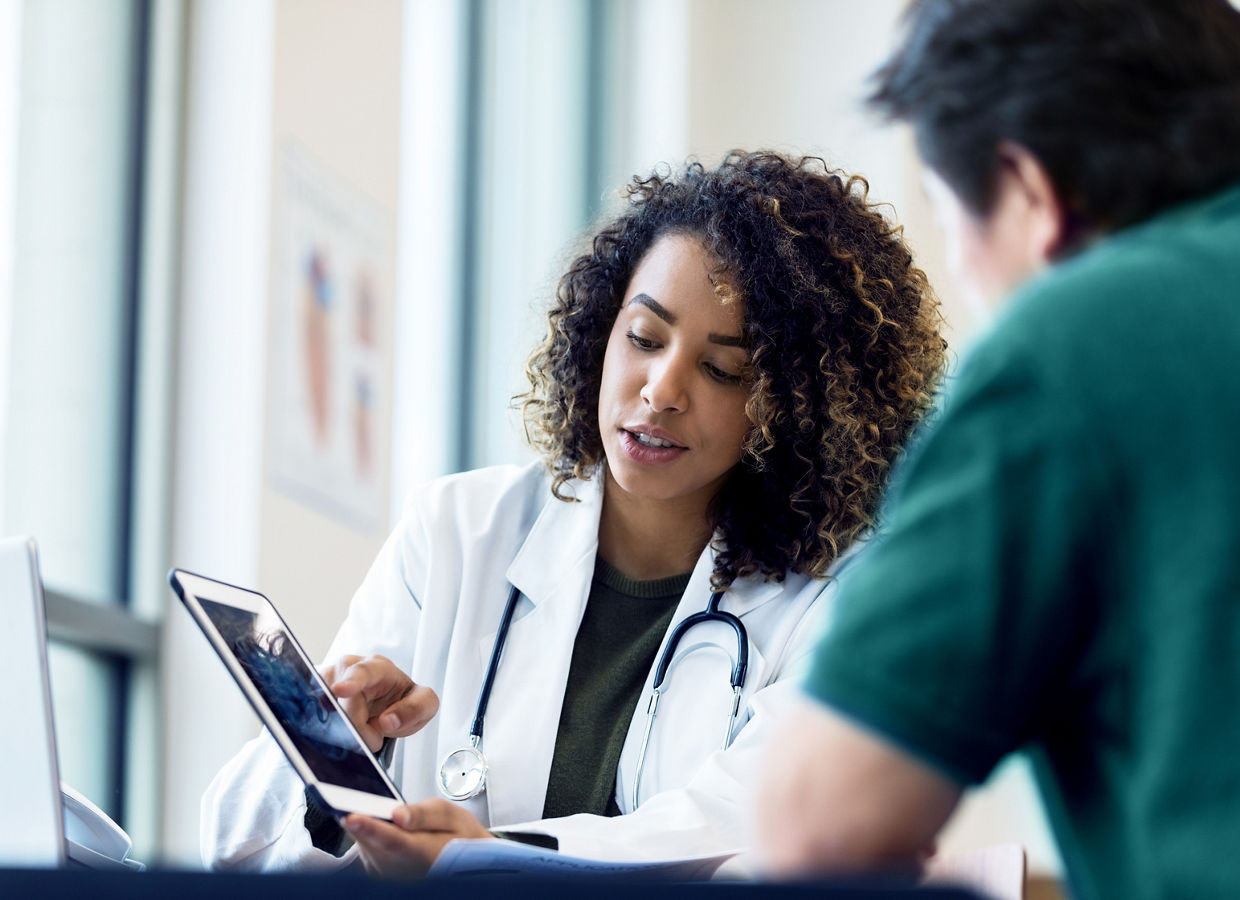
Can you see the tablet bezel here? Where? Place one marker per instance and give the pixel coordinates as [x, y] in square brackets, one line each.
[189, 587]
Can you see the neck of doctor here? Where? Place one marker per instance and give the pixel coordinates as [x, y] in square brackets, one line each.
[646, 538]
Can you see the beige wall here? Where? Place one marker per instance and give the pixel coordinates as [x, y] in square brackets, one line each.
[336, 95]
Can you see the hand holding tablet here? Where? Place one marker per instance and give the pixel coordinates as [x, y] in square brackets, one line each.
[293, 700]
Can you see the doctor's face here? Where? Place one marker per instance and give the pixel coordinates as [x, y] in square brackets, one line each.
[672, 398]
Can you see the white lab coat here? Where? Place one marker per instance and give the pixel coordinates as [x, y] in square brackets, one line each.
[432, 603]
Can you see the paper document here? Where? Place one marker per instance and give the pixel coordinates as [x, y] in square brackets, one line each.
[487, 857]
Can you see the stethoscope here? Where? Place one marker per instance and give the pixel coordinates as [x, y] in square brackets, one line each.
[463, 773]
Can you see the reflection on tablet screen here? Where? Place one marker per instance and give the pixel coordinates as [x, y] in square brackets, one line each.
[314, 725]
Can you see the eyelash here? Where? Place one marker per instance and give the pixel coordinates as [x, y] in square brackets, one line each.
[714, 371]
[723, 377]
[641, 343]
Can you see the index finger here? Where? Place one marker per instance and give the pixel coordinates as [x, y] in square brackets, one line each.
[329, 671]
[361, 674]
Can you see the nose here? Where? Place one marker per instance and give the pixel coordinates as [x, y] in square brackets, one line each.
[666, 388]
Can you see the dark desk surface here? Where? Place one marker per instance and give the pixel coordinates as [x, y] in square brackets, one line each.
[189, 885]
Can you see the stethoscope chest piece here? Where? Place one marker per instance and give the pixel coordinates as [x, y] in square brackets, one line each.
[463, 773]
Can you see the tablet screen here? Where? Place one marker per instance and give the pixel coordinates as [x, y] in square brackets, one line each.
[314, 724]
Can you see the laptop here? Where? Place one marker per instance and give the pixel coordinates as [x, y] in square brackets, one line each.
[57, 826]
[29, 779]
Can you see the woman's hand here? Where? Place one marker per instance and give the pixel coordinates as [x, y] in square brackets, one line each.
[408, 846]
[380, 699]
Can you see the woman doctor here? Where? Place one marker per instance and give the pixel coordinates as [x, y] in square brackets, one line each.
[728, 374]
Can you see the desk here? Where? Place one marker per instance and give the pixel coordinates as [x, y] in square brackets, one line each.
[189, 885]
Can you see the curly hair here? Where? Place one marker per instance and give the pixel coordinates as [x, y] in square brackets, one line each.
[842, 331]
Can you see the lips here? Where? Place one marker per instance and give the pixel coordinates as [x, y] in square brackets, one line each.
[655, 435]
[650, 446]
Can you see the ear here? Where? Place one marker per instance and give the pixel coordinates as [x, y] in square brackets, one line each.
[1025, 181]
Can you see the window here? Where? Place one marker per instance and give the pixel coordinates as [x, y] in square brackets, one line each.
[88, 128]
[507, 112]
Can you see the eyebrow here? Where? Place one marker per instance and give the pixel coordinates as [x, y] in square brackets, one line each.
[725, 340]
[655, 307]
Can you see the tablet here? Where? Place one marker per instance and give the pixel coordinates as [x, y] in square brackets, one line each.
[289, 695]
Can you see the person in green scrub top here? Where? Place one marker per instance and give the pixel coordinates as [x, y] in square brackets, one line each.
[1059, 570]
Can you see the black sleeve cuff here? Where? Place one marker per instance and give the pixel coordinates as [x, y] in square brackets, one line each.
[533, 838]
[325, 833]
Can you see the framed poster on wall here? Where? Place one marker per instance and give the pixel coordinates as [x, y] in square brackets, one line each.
[329, 446]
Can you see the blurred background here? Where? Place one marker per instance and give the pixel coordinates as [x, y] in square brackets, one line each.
[265, 264]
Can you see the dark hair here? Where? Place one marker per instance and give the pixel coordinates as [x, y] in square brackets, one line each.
[1131, 107]
[842, 331]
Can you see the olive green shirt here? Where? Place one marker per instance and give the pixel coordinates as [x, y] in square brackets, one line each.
[620, 633]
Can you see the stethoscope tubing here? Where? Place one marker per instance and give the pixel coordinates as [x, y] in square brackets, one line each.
[501, 637]
[463, 772]
[712, 613]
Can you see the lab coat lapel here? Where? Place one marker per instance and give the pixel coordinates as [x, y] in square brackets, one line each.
[745, 595]
[553, 571]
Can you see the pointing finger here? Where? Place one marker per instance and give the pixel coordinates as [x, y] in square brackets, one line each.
[352, 680]
[377, 678]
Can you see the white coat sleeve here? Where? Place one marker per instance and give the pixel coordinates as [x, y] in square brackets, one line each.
[711, 814]
[253, 812]
[253, 815]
